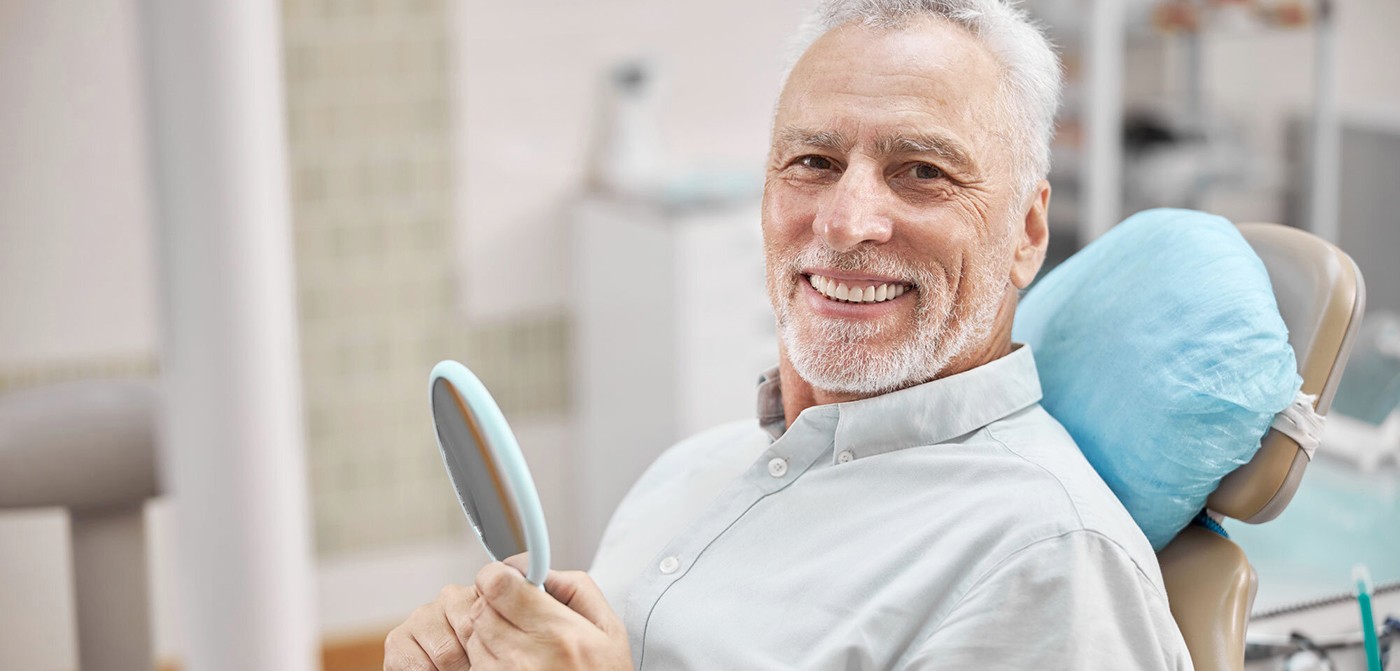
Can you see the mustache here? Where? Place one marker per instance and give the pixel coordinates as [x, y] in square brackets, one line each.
[862, 260]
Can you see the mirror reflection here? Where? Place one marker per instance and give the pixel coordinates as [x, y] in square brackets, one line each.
[475, 473]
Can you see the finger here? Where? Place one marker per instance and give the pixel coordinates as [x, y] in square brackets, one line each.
[402, 653]
[430, 630]
[479, 653]
[456, 603]
[440, 643]
[577, 590]
[524, 605]
[520, 562]
[497, 631]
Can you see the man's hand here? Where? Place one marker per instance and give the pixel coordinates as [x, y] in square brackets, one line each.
[434, 636]
[515, 626]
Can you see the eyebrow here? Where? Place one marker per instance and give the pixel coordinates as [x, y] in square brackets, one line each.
[946, 148]
[833, 140]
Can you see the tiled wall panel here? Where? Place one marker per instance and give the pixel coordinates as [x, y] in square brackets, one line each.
[370, 135]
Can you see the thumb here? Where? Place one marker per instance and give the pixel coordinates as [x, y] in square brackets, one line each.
[576, 590]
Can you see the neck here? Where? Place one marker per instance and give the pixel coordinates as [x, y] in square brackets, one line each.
[799, 394]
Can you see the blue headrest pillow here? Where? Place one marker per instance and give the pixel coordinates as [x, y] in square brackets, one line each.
[1161, 350]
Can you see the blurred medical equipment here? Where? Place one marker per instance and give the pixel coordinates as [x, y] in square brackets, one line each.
[1370, 158]
[1298, 650]
[1172, 156]
[699, 330]
[626, 162]
[1209, 581]
[1362, 577]
[90, 448]
[487, 469]
[1366, 426]
[1102, 44]
[626, 156]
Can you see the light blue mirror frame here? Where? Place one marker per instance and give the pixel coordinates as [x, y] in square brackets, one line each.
[519, 487]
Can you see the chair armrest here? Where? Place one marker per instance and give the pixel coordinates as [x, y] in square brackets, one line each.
[85, 446]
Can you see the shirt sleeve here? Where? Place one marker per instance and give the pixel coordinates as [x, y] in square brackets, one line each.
[1075, 601]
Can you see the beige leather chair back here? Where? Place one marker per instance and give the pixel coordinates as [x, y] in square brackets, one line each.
[1321, 297]
[1209, 581]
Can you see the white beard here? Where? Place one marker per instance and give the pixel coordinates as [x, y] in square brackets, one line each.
[842, 356]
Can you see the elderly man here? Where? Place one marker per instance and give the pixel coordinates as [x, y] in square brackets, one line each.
[903, 502]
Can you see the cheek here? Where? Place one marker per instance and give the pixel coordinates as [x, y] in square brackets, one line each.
[939, 240]
[787, 215]
[778, 245]
[951, 246]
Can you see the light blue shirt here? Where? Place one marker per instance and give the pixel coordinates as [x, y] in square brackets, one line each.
[951, 525]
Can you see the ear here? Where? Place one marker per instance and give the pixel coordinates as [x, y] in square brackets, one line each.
[1031, 238]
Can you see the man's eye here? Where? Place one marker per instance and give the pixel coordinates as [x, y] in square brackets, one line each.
[925, 171]
[815, 162]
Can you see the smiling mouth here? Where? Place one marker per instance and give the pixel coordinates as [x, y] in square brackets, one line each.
[847, 291]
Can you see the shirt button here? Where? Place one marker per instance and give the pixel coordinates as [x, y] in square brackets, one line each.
[777, 467]
[845, 457]
[669, 565]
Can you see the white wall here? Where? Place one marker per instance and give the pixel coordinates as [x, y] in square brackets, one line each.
[528, 82]
[76, 270]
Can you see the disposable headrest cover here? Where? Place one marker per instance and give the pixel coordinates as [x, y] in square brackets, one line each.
[1161, 349]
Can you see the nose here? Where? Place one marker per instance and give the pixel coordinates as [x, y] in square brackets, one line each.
[853, 211]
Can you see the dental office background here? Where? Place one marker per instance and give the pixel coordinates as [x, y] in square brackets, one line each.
[564, 196]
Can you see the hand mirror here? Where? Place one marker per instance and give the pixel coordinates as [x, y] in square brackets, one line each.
[487, 469]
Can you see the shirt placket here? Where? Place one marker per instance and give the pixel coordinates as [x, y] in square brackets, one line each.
[804, 443]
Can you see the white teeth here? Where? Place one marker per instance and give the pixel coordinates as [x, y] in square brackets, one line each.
[871, 294]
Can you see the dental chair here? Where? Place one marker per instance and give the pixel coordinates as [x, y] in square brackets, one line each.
[1209, 581]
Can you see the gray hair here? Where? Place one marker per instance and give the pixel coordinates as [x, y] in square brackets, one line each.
[1031, 78]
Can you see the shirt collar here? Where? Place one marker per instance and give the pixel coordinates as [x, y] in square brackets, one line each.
[925, 414]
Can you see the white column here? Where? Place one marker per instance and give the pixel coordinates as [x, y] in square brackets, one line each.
[231, 426]
[1103, 174]
[1323, 195]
